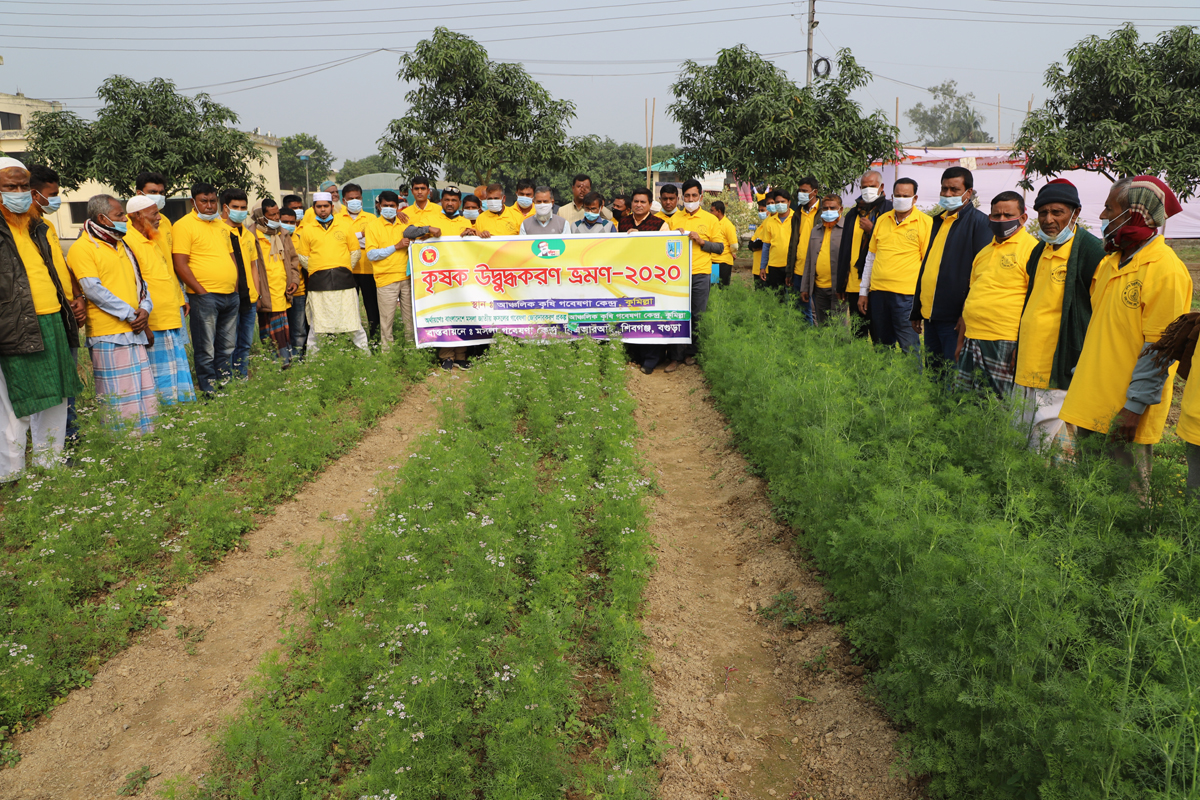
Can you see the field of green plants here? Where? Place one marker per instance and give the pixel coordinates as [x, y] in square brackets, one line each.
[479, 634]
[1034, 629]
[91, 552]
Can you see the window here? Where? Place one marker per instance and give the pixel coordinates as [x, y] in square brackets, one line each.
[78, 213]
[175, 210]
[9, 121]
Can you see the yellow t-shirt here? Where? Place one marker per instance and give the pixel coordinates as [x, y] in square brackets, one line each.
[899, 248]
[1188, 426]
[160, 280]
[45, 297]
[853, 282]
[824, 269]
[381, 234]
[704, 224]
[778, 234]
[276, 271]
[518, 214]
[757, 236]
[327, 248]
[89, 258]
[432, 215]
[933, 266]
[807, 220]
[1130, 308]
[455, 226]
[360, 223]
[728, 236]
[60, 260]
[165, 237]
[666, 218]
[209, 252]
[502, 224]
[249, 255]
[301, 288]
[1042, 318]
[992, 311]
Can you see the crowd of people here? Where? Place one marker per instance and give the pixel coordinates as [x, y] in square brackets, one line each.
[1071, 324]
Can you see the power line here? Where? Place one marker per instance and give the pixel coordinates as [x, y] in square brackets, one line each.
[861, 17]
[1023, 14]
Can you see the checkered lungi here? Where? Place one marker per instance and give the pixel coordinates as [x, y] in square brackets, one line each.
[169, 366]
[124, 382]
[987, 365]
[273, 327]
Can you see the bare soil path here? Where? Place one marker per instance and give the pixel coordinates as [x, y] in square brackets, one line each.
[158, 703]
[721, 557]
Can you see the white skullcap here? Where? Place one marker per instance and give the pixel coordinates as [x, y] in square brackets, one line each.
[322, 197]
[9, 163]
[138, 203]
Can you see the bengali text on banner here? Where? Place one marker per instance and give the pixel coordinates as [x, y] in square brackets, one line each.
[467, 290]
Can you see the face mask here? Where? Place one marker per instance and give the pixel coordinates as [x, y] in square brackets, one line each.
[387, 212]
[670, 213]
[494, 206]
[903, 204]
[543, 209]
[1104, 223]
[870, 194]
[354, 206]
[950, 203]
[17, 202]
[1004, 228]
[591, 216]
[764, 214]
[471, 214]
[52, 205]
[159, 200]
[115, 228]
[287, 226]
[238, 217]
[451, 214]
[523, 201]
[829, 216]
[692, 207]
[802, 198]
[206, 217]
[324, 219]
[1064, 236]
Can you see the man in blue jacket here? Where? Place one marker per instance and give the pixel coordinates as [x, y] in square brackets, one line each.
[959, 232]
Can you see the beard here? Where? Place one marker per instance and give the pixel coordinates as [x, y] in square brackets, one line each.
[20, 221]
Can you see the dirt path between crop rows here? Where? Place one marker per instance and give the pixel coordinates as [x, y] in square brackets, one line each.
[157, 704]
[720, 557]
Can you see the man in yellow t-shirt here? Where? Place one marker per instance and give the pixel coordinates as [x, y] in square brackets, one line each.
[154, 186]
[168, 352]
[289, 218]
[37, 372]
[701, 227]
[991, 317]
[280, 276]
[119, 307]
[494, 220]
[819, 278]
[1138, 290]
[776, 234]
[327, 243]
[898, 245]
[359, 264]
[387, 249]
[522, 207]
[235, 210]
[727, 235]
[808, 206]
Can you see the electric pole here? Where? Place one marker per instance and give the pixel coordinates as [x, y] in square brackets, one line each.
[812, 24]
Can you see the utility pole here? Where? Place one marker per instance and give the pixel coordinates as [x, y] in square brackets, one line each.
[812, 25]
[304, 155]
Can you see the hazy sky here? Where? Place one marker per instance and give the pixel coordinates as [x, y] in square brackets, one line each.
[275, 62]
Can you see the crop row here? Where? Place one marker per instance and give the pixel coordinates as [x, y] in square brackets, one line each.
[1033, 628]
[479, 635]
[90, 552]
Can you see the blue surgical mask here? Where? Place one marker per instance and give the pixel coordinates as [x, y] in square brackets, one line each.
[273, 224]
[17, 202]
[237, 217]
[325, 219]
[802, 198]
[354, 206]
[120, 228]
[471, 214]
[206, 217]
[771, 209]
[159, 200]
[1064, 236]
[287, 226]
[950, 203]
[764, 214]
[452, 214]
[829, 216]
[52, 205]
[591, 216]
[387, 212]
[523, 201]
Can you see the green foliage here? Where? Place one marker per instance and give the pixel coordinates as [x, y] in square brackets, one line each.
[1121, 107]
[1035, 628]
[91, 552]
[357, 167]
[136, 781]
[475, 113]
[951, 119]
[437, 654]
[744, 115]
[291, 168]
[147, 126]
[740, 213]
[786, 609]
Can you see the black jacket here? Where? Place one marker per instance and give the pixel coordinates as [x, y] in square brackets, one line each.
[19, 331]
[847, 259]
[969, 235]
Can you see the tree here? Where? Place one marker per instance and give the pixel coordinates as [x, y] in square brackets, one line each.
[1121, 108]
[475, 113]
[744, 115]
[354, 168]
[147, 126]
[950, 120]
[291, 168]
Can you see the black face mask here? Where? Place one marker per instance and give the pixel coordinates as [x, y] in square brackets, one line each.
[1002, 229]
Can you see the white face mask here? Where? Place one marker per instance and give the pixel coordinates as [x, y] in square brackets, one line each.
[870, 194]
[494, 206]
[903, 204]
[543, 209]
[691, 207]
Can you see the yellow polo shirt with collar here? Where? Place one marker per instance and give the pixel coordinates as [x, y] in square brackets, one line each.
[1042, 318]
[777, 234]
[727, 235]
[383, 233]
[301, 288]
[992, 312]
[164, 239]
[807, 220]
[704, 224]
[933, 266]
[899, 248]
[501, 224]
[1131, 307]
[249, 255]
[454, 226]
[45, 297]
[60, 261]
[209, 252]
[824, 276]
[89, 258]
[327, 248]
[432, 214]
[160, 281]
[359, 224]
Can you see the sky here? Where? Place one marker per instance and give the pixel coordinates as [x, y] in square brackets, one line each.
[328, 67]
